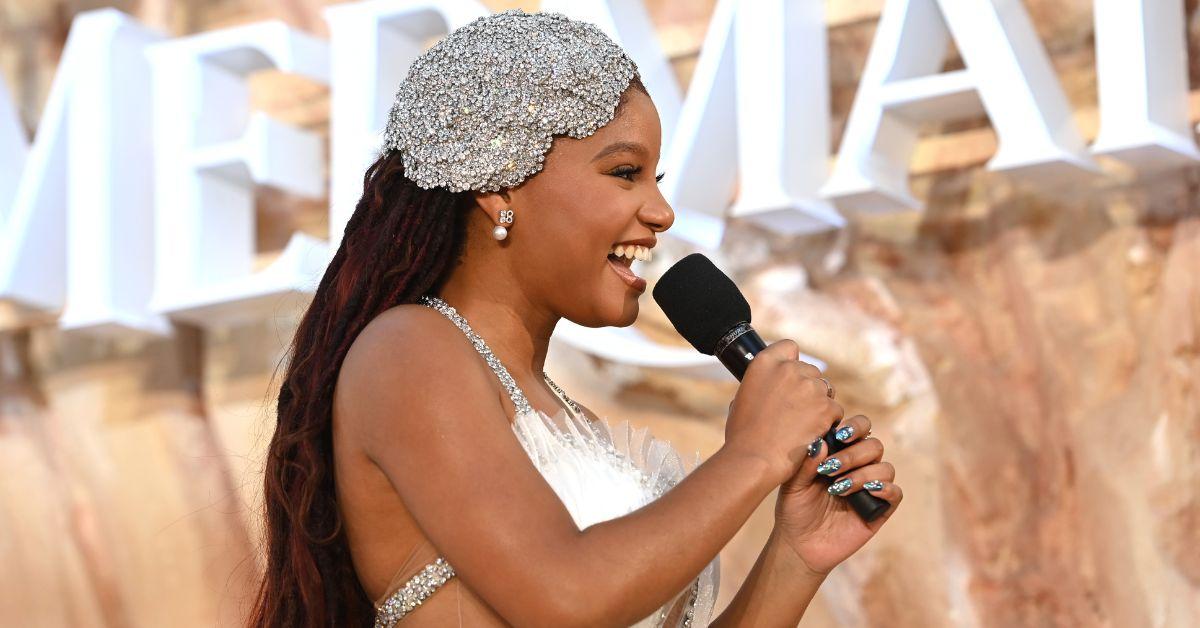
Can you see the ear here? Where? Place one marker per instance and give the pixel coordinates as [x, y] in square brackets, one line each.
[492, 204]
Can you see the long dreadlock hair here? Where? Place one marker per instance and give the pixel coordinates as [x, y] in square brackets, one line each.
[398, 245]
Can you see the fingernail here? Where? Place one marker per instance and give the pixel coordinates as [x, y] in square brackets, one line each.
[814, 448]
[844, 433]
[829, 466]
[873, 485]
[841, 486]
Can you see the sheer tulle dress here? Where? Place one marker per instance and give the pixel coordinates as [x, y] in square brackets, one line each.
[598, 471]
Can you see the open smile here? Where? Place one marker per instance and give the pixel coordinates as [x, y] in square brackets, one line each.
[621, 265]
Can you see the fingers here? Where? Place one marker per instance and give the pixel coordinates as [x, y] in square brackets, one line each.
[891, 493]
[785, 353]
[785, 350]
[808, 370]
[805, 377]
[859, 454]
[807, 473]
[877, 479]
[853, 429]
[836, 411]
[883, 473]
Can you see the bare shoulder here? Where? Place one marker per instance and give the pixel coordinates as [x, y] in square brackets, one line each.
[427, 412]
[409, 320]
[409, 335]
[409, 357]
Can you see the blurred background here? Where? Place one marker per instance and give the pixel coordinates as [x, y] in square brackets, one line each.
[1032, 362]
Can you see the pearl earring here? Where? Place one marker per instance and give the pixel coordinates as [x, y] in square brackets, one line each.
[500, 231]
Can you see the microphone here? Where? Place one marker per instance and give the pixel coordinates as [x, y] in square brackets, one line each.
[710, 312]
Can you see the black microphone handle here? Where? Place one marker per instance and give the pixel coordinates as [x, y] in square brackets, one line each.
[735, 351]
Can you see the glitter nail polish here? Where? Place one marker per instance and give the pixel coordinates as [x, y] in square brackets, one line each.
[814, 448]
[873, 485]
[841, 486]
[844, 433]
[829, 466]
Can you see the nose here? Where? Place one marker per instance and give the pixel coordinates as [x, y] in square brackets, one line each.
[657, 214]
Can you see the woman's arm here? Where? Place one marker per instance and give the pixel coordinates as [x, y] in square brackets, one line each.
[444, 441]
[776, 592]
[655, 551]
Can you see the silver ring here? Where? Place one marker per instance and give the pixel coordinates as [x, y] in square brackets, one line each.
[828, 387]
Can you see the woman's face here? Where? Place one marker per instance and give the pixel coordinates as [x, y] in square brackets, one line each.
[591, 194]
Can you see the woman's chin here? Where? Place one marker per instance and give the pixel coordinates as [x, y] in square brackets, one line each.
[632, 309]
[618, 303]
[620, 312]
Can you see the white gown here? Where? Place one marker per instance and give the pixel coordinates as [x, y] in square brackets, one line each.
[598, 471]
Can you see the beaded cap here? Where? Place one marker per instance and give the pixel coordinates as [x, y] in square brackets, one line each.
[478, 110]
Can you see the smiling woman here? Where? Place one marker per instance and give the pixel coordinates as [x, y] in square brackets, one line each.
[424, 467]
[589, 195]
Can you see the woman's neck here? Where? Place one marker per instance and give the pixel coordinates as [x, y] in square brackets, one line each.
[517, 330]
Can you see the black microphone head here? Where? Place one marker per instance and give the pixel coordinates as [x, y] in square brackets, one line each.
[701, 301]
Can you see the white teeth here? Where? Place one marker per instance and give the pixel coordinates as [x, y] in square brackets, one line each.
[632, 251]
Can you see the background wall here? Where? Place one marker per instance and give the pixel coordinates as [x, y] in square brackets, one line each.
[1032, 364]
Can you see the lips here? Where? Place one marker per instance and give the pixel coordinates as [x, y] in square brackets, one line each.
[621, 266]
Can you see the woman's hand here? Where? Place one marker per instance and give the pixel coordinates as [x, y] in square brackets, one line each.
[780, 407]
[812, 515]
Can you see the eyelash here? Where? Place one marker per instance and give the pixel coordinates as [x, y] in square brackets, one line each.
[632, 171]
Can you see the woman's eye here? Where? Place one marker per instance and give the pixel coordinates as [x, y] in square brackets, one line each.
[628, 172]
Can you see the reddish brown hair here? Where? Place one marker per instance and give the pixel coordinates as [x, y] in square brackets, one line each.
[399, 244]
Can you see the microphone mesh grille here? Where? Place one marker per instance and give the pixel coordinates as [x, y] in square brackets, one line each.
[701, 301]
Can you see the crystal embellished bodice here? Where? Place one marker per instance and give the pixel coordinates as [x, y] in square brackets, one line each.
[598, 471]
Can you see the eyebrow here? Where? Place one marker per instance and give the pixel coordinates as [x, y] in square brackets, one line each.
[617, 147]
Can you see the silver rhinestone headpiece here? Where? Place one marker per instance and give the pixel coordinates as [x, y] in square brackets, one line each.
[477, 111]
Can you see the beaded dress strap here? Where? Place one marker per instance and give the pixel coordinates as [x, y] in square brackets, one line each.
[415, 591]
[506, 380]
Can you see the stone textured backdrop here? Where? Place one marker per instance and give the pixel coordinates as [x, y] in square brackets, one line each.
[1032, 363]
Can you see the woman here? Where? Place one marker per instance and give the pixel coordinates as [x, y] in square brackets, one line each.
[425, 469]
